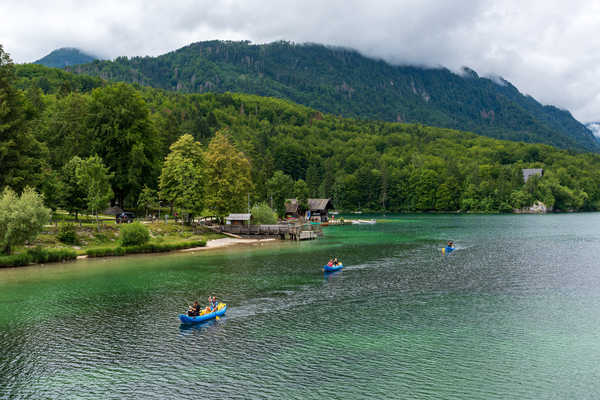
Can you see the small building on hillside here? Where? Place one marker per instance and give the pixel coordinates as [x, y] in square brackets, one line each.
[529, 172]
[317, 211]
[238, 219]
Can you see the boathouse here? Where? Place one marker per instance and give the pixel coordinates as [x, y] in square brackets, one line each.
[238, 219]
[529, 172]
[317, 210]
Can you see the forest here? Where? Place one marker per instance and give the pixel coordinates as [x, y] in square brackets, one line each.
[344, 82]
[209, 152]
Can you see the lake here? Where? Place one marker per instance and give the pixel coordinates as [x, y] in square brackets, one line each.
[514, 312]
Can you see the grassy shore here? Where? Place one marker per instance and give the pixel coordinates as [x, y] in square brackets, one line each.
[103, 240]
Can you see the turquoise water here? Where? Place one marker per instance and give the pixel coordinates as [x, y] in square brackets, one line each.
[514, 312]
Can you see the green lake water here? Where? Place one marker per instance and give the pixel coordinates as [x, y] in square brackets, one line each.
[513, 313]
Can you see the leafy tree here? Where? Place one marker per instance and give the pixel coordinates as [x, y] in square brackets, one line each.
[73, 193]
[228, 177]
[148, 199]
[183, 180]
[124, 138]
[301, 193]
[280, 186]
[95, 178]
[263, 214]
[22, 218]
[21, 155]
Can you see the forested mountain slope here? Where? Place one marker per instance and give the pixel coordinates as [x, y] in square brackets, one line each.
[64, 57]
[373, 165]
[345, 83]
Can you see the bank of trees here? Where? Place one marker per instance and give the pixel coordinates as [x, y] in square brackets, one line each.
[207, 153]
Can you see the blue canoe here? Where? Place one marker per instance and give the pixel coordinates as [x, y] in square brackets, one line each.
[327, 268]
[447, 250]
[221, 308]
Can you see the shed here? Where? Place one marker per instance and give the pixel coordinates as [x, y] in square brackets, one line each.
[319, 209]
[238, 219]
[529, 172]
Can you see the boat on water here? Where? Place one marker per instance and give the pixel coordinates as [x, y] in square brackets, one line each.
[447, 250]
[219, 312]
[364, 222]
[333, 268]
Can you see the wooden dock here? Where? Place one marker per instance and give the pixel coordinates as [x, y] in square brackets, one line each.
[282, 231]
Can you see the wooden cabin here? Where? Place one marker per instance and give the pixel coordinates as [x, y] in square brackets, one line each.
[318, 209]
[238, 219]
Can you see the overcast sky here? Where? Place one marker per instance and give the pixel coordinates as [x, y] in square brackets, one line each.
[549, 49]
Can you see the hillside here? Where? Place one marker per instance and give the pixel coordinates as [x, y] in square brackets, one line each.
[373, 165]
[64, 57]
[345, 83]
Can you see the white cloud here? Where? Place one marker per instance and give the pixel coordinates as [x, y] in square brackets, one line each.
[546, 48]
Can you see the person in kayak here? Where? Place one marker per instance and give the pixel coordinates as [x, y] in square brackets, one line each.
[330, 263]
[451, 244]
[336, 262]
[194, 310]
[213, 304]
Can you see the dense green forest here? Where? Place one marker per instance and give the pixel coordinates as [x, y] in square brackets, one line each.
[345, 83]
[148, 138]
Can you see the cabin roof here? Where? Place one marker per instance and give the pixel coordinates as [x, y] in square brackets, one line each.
[291, 205]
[238, 217]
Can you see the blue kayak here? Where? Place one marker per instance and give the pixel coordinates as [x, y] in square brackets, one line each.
[220, 311]
[327, 268]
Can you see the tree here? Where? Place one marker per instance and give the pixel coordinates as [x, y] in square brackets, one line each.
[21, 155]
[281, 187]
[182, 181]
[22, 218]
[228, 177]
[263, 214]
[148, 199]
[124, 138]
[73, 194]
[301, 193]
[95, 178]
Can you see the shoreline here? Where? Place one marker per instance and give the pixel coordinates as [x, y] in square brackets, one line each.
[213, 244]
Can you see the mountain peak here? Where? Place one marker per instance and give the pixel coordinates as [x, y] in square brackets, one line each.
[66, 56]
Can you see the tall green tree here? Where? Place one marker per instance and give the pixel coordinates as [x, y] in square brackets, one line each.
[21, 155]
[281, 187]
[301, 193]
[95, 178]
[73, 193]
[148, 199]
[22, 218]
[124, 138]
[228, 177]
[183, 178]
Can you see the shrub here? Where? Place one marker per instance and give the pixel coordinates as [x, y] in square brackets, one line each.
[67, 234]
[263, 214]
[134, 234]
[37, 255]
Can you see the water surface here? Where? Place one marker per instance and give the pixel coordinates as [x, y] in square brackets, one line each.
[513, 313]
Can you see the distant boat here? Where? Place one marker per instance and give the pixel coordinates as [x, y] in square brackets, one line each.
[364, 222]
[356, 212]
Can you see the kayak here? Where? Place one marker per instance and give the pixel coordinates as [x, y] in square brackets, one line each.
[447, 250]
[327, 268]
[219, 312]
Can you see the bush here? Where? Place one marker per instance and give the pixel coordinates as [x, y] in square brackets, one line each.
[263, 214]
[37, 255]
[143, 248]
[134, 234]
[67, 234]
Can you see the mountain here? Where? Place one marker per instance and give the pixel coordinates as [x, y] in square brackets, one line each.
[343, 82]
[64, 57]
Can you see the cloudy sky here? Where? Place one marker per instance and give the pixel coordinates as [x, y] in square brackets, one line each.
[549, 49]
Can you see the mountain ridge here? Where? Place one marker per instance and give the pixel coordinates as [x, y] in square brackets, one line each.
[66, 56]
[344, 82]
